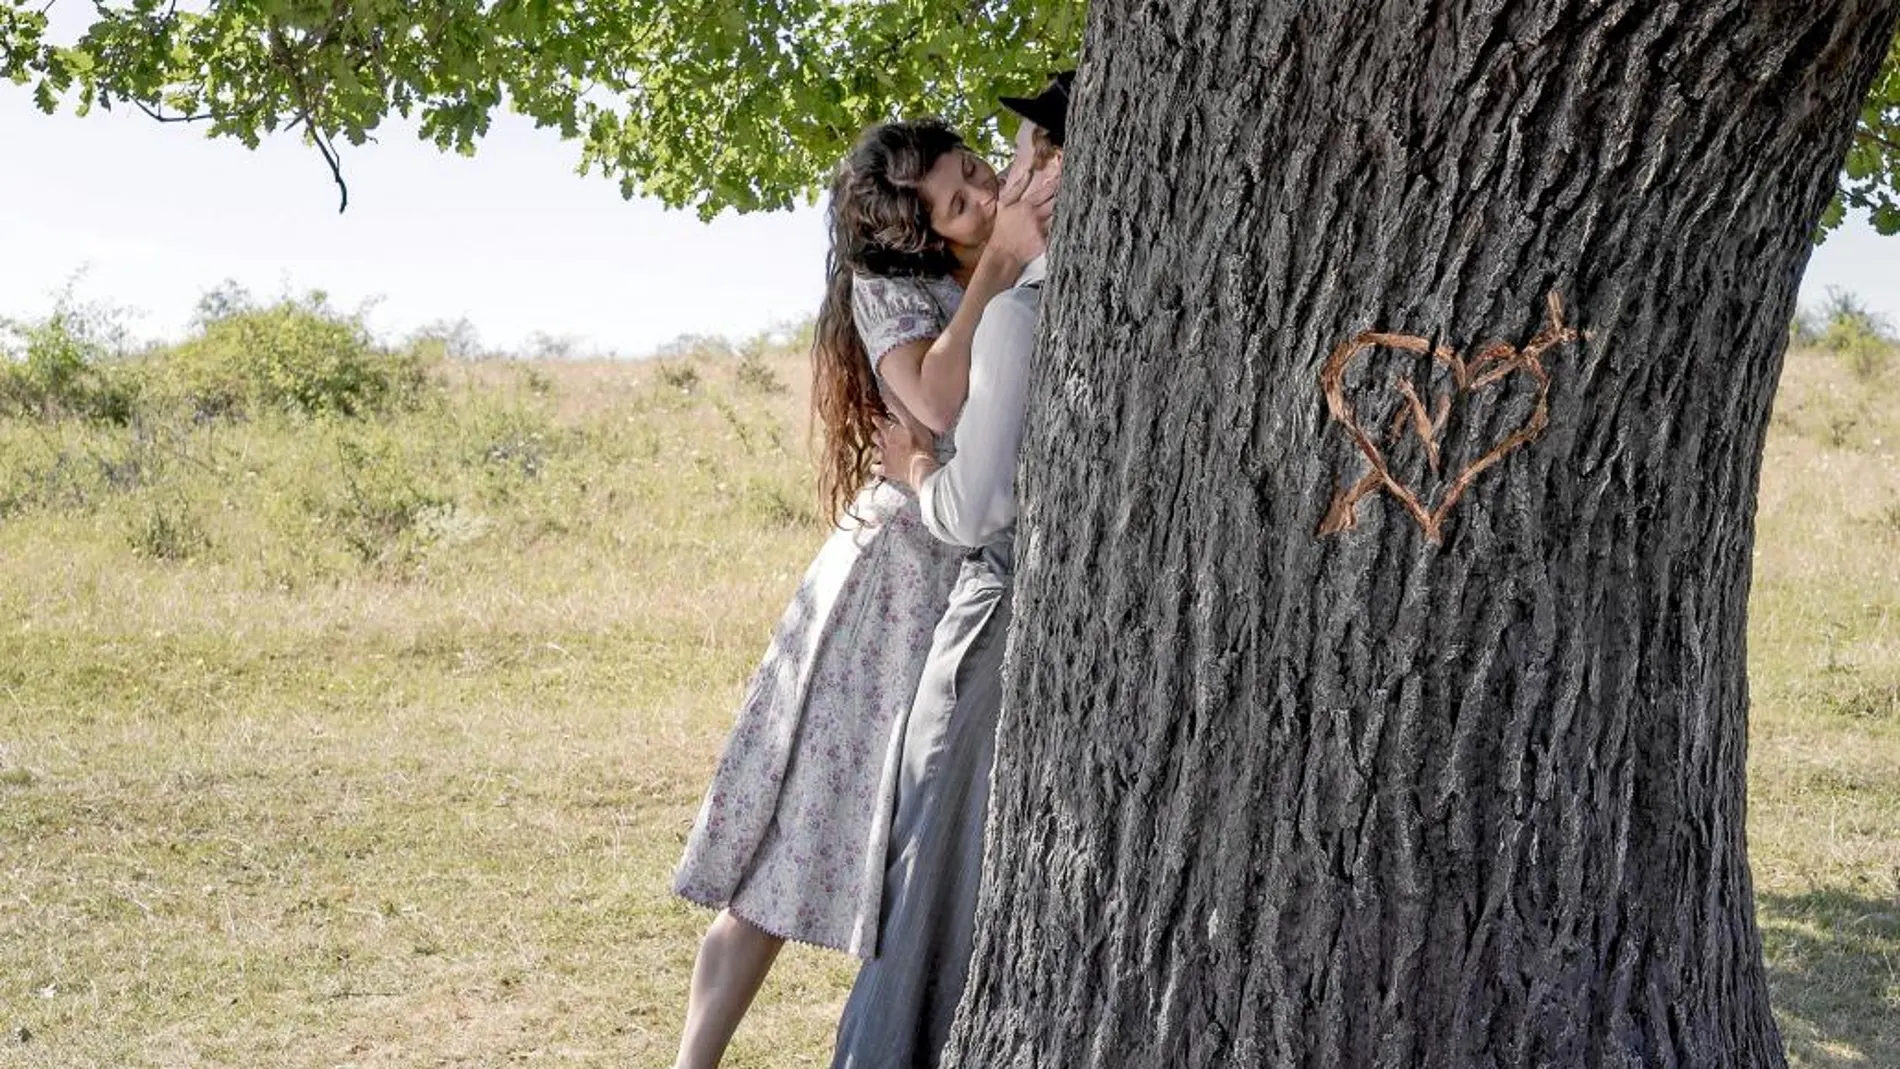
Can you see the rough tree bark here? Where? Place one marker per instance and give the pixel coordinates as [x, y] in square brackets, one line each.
[1271, 797]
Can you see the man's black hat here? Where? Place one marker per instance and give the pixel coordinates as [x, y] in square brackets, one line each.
[1048, 109]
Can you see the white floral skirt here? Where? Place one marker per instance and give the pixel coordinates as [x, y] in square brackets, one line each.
[792, 831]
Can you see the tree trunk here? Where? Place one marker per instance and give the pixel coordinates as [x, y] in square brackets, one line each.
[1460, 782]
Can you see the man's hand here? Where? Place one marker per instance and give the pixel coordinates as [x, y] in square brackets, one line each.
[906, 452]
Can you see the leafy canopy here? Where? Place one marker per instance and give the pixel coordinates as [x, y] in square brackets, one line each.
[709, 104]
[1870, 178]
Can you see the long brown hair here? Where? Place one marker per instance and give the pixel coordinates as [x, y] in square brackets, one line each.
[880, 225]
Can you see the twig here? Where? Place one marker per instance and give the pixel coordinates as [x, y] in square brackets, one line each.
[162, 117]
[330, 157]
[1879, 139]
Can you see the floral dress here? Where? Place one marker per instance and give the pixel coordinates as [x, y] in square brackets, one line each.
[792, 832]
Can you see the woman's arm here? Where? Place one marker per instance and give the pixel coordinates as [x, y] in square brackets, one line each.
[932, 378]
[972, 498]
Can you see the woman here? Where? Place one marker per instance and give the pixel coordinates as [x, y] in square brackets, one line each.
[789, 843]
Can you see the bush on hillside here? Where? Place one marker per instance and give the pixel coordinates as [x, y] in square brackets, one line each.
[69, 365]
[447, 339]
[1863, 339]
[296, 356]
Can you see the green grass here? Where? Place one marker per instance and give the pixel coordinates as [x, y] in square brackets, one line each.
[333, 742]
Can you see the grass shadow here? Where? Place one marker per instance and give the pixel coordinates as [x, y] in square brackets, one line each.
[1834, 970]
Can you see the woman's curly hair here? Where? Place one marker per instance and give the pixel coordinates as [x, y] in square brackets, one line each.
[880, 225]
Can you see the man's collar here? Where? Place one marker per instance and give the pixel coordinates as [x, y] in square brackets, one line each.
[1034, 270]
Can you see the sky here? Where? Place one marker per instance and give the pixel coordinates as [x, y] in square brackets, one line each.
[148, 217]
[152, 216]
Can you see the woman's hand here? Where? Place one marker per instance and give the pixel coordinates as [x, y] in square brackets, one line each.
[906, 452]
[933, 378]
[1024, 207]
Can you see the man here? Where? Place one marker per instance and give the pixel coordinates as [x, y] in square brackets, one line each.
[900, 1009]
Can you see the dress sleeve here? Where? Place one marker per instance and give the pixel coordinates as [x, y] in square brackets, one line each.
[891, 311]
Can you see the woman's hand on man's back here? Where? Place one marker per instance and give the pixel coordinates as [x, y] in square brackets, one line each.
[906, 451]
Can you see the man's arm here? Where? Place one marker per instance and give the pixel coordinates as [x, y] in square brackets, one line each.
[972, 498]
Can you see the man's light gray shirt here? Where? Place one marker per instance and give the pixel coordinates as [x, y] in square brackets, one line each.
[971, 500]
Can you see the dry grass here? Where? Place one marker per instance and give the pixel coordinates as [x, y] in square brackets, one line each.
[279, 804]
[1824, 769]
[306, 786]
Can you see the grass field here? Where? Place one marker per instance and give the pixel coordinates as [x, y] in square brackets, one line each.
[371, 742]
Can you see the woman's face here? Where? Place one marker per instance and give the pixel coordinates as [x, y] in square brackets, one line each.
[960, 191]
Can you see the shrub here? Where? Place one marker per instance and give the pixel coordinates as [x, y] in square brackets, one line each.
[1840, 429]
[1804, 330]
[168, 531]
[451, 339]
[67, 365]
[681, 377]
[1862, 338]
[696, 346]
[297, 356]
[383, 499]
[756, 376]
[545, 346]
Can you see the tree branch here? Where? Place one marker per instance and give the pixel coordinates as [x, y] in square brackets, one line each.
[162, 117]
[330, 157]
[280, 51]
[1883, 141]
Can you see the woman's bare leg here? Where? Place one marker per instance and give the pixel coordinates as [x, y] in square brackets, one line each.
[733, 960]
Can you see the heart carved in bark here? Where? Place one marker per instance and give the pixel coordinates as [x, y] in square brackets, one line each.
[1493, 364]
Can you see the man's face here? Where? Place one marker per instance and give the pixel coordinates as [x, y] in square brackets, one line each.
[1027, 150]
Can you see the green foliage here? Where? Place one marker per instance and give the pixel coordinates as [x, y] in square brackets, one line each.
[756, 375]
[77, 465]
[382, 501]
[502, 456]
[168, 530]
[297, 356]
[446, 339]
[755, 371]
[68, 364]
[744, 104]
[1861, 338]
[1804, 330]
[683, 377]
[1870, 179]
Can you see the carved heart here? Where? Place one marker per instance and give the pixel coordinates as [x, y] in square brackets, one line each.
[1492, 365]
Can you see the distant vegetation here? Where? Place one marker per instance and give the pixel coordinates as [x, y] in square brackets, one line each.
[356, 695]
[1844, 326]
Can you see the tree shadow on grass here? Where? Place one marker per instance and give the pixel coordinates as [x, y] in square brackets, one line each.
[1834, 970]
